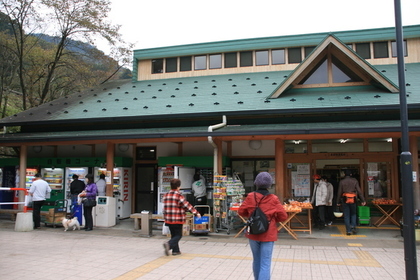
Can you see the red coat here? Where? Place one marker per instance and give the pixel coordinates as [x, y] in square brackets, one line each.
[272, 208]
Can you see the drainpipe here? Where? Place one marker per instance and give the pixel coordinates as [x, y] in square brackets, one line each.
[210, 139]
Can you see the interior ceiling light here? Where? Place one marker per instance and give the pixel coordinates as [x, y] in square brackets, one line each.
[342, 141]
[297, 142]
[389, 140]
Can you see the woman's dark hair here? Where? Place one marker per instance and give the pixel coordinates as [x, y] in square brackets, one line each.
[90, 178]
[175, 183]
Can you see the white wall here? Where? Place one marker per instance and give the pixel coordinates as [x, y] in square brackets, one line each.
[241, 148]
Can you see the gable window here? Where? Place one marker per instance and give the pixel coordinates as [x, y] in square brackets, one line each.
[157, 66]
[363, 49]
[261, 58]
[231, 60]
[294, 55]
[277, 57]
[215, 61]
[380, 50]
[330, 71]
[394, 48]
[185, 63]
[171, 65]
[200, 62]
[245, 59]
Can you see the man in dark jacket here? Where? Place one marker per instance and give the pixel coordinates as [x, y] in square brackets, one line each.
[349, 187]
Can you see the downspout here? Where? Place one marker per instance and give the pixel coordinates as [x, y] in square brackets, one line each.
[210, 139]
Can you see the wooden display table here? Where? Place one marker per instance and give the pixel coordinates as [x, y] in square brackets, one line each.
[387, 210]
[286, 223]
[304, 227]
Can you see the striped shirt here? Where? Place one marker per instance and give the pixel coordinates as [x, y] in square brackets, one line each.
[174, 207]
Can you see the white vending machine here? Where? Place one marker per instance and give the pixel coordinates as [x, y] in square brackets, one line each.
[121, 183]
[54, 177]
[165, 174]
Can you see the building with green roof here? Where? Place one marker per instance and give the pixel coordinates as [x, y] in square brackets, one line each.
[291, 105]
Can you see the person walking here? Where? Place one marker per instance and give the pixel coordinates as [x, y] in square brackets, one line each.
[39, 190]
[101, 185]
[89, 193]
[348, 191]
[319, 200]
[174, 207]
[262, 244]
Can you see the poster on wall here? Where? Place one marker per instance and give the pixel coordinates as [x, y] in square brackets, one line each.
[301, 184]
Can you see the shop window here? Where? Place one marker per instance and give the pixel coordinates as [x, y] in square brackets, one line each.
[261, 58]
[380, 145]
[294, 55]
[171, 65]
[277, 57]
[394, 48]
[380, 50]
[215, 61]
[337, 146]
[231, 60]
[200, 62]
[185, 63]
[247, 170]
[157, 66]
[377, 180]
[308, 50]
[145, 153]
[363, 49]
[245, 59]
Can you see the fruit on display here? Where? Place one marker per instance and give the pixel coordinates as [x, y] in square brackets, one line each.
[384, 201]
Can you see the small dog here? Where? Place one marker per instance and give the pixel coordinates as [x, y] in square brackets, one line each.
[69, 223]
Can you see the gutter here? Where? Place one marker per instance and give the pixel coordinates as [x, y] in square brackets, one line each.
[211, 142]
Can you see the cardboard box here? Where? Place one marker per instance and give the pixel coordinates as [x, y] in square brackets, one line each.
[57, 220]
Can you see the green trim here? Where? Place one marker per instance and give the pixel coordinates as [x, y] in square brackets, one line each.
[198, 161]
[67, 161]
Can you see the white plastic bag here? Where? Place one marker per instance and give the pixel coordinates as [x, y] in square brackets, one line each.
[28, 201]
[165, 230]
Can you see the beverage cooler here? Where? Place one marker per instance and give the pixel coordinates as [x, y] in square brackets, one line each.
[121, 183]
[55, 178]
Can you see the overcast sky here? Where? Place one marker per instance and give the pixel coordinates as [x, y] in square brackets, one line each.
[150, 24]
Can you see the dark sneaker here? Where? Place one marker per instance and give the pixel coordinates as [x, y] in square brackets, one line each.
[176, 253]
[166, 248]
[348, 233]
[354, 231]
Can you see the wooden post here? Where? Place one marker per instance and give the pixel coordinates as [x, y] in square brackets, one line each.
[22, 173]
[280, 169]
[110, 151]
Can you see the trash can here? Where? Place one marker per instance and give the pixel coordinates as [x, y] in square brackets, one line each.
[146, 223]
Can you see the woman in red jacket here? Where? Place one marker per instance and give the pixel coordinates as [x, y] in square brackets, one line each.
[262, 244]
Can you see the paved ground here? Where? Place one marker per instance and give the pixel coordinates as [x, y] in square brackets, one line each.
[122, 253]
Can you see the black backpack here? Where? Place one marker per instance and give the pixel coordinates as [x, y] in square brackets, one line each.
[257, 222]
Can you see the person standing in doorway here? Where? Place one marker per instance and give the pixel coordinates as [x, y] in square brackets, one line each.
[101, 185]
[319, 200]
[329, 211]
[262, 244]
[348, 191]
[200, 192]
[39, 190]
[89, 193]
[174, 207]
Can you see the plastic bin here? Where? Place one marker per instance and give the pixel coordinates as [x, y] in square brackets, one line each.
[363, 215]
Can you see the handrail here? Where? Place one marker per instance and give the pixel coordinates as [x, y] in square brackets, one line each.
[25, 208]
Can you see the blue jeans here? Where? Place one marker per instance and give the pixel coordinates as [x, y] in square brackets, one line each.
[349, 210]
[261, 252]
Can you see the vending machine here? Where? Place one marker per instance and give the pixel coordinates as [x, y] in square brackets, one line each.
[165, 174]
[121, 183]
[70, 171]
[55, 178]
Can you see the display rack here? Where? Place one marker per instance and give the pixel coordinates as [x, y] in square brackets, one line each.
[228, 193]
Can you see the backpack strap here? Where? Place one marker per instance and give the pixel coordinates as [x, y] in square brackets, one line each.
[257, 203]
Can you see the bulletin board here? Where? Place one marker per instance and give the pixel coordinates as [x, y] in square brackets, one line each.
[301, 181]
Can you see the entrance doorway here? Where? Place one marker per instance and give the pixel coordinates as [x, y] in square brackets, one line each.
[146, 187]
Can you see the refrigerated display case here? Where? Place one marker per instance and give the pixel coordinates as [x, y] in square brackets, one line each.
[121, 183]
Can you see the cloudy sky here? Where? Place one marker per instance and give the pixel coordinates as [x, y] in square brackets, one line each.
[150, 24]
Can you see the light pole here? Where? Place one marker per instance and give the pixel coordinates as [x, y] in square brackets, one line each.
[405, 159]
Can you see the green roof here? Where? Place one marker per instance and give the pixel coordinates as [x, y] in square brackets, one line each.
[234, 94]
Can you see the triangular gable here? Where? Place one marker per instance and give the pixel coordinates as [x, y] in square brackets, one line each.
[332, 46]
